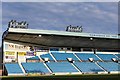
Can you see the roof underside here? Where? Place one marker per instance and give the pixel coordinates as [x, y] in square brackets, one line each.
[60, 39]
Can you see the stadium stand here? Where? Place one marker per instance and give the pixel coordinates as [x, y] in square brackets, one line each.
[86, 56]
[93, 68]
[64, 56]
[35, 67]
[106, 57]
[61, 67]
[13, 69]
[110, 66]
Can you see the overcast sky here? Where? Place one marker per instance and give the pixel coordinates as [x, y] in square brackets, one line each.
[95, 17]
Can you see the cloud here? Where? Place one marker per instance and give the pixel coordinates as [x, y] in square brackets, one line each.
[60, 0]
[95, 17]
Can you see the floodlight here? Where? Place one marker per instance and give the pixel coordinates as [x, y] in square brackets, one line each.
[40, 35]
[91, 39]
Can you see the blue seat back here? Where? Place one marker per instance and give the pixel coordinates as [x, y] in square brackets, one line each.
[61, 67]
[88, 67]
[85, 56]
[64, 56]
[35, 67]
[13, 68]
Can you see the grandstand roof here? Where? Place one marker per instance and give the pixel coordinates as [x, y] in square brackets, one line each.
[61, 38]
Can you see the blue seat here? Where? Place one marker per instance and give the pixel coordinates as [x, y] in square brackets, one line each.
[61, 67]
[46, 56]
[64, 56]
[13, 68]
[87, 67]
[35, 67]
[110, 66]
[106, 57]
[85, 56]
[33, 58]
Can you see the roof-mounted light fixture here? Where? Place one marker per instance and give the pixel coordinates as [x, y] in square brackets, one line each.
[91, 39]
[40, 35]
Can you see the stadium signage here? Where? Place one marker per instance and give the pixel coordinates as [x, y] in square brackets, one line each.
[30, 53]
[74, 28]
[103, 36]
[21, 53]
[14, 24]
[15, 47]
[9, 55]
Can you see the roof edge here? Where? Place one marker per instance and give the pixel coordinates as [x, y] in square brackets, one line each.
[63, 33]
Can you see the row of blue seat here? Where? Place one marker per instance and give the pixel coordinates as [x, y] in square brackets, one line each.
[81, 56]
[55, 67]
